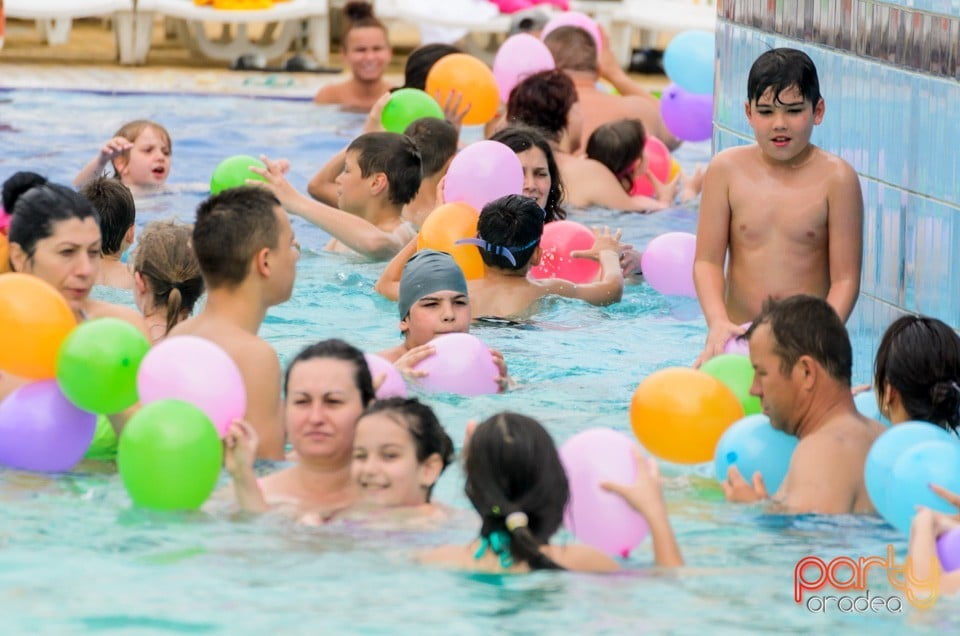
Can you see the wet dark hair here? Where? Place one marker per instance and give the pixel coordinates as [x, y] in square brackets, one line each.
[17, 184]
[36, 209]
[114, 203]
[421, 422]
[164, 257]
[618, 145]
[520, 138]
[543, 101]
[231, 228]
[780, 69]
[512, 465]
[920, 358]
[359, 15]
[807, 326]
[337, 349]
[513, 223]
[394, 155]
[436, 139]
[421, 60]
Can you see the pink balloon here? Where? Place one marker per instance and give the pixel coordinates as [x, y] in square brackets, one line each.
[667, 264]
[577, 19]
[5, 218]
[658, 162]
[596, 517]
[738, 345]
[462, 364]
[559, 239]
[481, 172]
[687, 115]
[393, 384]
[512, 6]
[196, 371]
[519, 57]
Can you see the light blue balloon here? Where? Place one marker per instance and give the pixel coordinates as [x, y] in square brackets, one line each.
[752, 444]
[885, 452]
[936, 462]
[866, 404]
[689, 61]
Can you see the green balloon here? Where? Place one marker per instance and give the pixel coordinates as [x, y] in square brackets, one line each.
[169, 456]
[406, 106]
[103, 447]
[736, 372]
[97, 365]
[233, 172]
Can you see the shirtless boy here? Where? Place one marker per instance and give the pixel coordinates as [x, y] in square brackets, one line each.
[789, 214]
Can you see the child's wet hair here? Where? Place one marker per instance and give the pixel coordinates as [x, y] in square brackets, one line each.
[618, 145]
[164, 257]
[394, 155]
[421, 60]
[509, 231]
[781, 69]
[117, 209]
[436, 139]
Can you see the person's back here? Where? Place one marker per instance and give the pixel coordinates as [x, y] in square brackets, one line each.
[781, 217]
[114, 202]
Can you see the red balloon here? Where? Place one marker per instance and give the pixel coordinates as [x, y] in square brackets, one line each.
[658, 162]
[559, 239]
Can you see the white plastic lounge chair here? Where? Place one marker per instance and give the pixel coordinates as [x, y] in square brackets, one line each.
[54, 18]
[290, 16]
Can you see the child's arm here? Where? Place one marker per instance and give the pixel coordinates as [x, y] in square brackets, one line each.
[602, 188]
[388, 285]
[844, 240]
[607, 290]
[240, 451]
[112, 149]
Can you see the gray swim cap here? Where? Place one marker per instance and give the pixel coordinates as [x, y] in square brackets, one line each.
[426, 272]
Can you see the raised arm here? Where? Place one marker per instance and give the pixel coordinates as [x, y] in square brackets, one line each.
[609, 288]
[844, 239]
[388, 285]
[112, 149]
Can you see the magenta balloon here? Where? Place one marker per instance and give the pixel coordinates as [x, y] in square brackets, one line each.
[577, 19]
[462, 364]
[481, 172]
[519, 57]
[667, 264]
[41, 430]
[686, 115]
[393, 384]
[559, 239]
[196, 371]
[595, 516]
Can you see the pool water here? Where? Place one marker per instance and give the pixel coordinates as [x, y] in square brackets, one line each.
[76, 558]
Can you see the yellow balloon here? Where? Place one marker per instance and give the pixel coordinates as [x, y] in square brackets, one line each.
[444, 227]
[4, 254]
[674, 170]
[34, 320]
[679, 414]
[472, 79]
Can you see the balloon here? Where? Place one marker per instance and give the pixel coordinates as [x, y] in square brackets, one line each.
[689, 60]
[103, 446]
[483, 172]
[658, 162]
[406, 106]
[576, 19]
[738, 344]
[393, 382]
[4, 254]
[596, 517]
[908, 486]
[679, 414]
[667, 264]
[34, 321]
[444, 227]
[866, 404]
[674, 170]
[736, 372]
[97, 365]
[753, 445]
[40, 430]
[4, 222]
[885, 451]
[948, 549]
[472, 79]
[169, 456]
[233, 172]
[559, 239]
[519, 57]
[198, 372]
[687, 116]
[462, 364]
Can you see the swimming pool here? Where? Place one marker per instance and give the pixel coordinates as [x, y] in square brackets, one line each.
[75, 558]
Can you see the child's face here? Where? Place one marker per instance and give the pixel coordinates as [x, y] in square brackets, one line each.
[385, 465]
[536, 175]
[367, 53]
[353, 190]
[435, 314]
[783, 126]
[148, 162]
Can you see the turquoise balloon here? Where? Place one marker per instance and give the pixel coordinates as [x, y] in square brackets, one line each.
[736, 372]
[752, 445]
[233, 172]
[169, 456]
[866, 404]
[936, 462]
[689, 61]
[406, 106]
[97, 365]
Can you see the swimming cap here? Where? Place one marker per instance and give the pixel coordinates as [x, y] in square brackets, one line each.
[426, 272]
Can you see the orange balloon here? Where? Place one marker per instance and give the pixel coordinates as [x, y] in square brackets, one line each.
[444, 227]
[34, 320]
[679, 414]
[4, 254]
[674, 170]
[470, 77]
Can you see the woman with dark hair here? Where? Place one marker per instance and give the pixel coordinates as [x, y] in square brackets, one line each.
[541, 177]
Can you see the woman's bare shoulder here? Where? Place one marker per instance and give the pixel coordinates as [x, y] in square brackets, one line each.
[580, 558]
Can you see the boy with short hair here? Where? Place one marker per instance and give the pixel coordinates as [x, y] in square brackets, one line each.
[786, 216]
[114, 202]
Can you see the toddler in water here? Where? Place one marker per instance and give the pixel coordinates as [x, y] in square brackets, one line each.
[140, 155]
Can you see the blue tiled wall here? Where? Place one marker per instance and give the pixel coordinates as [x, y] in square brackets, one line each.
[901, 131]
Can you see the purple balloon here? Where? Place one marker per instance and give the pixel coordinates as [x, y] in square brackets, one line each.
[462, 364]
[41, 430]
[738, 344]
[481, 172]
[667, 264]
[519, 57]
[687, 115]
[393, 384]
[948, 549]
[595, 516]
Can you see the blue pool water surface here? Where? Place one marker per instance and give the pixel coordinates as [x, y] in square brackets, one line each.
[76, 558]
